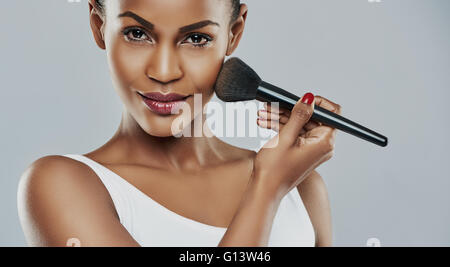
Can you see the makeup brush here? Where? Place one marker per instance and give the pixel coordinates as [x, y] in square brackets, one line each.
[239, 82]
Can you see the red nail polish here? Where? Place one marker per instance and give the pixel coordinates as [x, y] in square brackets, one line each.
[308, 98]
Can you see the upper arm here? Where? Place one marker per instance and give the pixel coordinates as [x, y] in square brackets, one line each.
[60, 198]
[314, 194]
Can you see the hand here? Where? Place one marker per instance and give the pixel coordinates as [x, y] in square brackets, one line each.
[299, 147]
[276, 118]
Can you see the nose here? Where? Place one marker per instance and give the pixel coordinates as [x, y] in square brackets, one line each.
[163, 65]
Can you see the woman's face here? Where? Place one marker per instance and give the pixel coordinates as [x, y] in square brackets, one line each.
[165, 46]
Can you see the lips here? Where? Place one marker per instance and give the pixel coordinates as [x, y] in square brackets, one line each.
[164, 104]
[164, 98]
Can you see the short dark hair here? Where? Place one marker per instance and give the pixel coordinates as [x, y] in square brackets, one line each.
[235, 5]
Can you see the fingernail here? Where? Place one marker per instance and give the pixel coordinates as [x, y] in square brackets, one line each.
[308, 98]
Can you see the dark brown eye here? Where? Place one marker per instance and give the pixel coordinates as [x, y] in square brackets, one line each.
[135, 35]
[197, 39]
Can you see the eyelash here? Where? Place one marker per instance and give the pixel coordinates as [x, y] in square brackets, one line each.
[129, 30]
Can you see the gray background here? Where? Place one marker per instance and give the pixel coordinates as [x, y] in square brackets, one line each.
[386, 64]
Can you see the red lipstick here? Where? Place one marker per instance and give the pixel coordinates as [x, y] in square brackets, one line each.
[163, 104]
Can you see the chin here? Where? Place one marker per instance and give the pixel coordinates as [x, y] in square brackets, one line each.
[162, 130]
[158, 133]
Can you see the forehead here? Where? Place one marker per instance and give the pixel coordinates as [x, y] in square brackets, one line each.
[173, 12]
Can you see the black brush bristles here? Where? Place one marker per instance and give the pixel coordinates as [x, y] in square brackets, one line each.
[236, 81]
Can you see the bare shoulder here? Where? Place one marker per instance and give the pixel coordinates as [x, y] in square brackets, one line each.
[59, 176]
[314, 194]
[57, 196]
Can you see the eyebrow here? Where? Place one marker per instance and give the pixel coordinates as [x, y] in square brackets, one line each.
[184, 29]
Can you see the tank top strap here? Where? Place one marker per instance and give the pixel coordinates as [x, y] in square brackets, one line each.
[114, 185]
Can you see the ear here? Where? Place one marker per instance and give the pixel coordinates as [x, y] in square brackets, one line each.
[97, 22]
[237, 29]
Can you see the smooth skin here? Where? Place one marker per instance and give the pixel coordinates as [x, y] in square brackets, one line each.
[200, 178]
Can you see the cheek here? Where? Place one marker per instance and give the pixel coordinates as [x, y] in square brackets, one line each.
[203, 74]
[126, 64]
[202, 65]
[203, 71]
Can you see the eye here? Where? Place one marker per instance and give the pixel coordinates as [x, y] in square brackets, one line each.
[135, 35]
[197, 38]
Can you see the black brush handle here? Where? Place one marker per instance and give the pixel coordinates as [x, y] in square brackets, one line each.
[267, 92]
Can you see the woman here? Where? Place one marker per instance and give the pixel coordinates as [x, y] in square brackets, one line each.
[147, 187]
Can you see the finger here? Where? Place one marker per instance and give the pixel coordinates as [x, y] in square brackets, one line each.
[268, 115]
[300, 115]
[278, 127]
[269, 107]
[302, 132]
[328, 104]
[320, 133]
[274, 125]
[273, 116]
[311, 125]
[283, 119]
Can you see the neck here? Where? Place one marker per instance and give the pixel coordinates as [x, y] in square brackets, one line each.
[175, 153]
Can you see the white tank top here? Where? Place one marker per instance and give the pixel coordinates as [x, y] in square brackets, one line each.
[153, 225]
